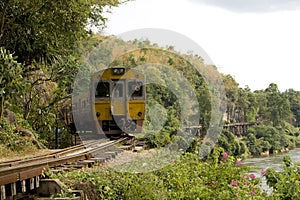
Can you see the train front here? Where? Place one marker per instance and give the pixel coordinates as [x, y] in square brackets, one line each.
[119, 100]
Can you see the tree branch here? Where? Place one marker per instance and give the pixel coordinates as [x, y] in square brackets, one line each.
[3, 18]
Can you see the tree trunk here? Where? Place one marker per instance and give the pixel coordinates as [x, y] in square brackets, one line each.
[2, 106]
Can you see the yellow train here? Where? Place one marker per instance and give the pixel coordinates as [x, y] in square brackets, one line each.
[115, 104]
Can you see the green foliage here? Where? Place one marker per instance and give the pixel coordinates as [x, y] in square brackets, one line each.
[186, 178]
[278, 105]
[11, 139]
[265, 137]
[260, 139]
[294, 99]
[157, 139]
[231, 144]
[49, 39]
[231, 87]
[256, 146]
[10, 78]
[285, 184]
[269, 105]
[42, 30]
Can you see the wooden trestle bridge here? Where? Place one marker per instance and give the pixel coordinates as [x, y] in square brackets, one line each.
[240, 129]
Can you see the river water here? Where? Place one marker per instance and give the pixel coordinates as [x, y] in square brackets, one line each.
[272, 161]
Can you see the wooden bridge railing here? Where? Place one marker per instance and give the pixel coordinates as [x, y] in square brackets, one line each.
[240, 129]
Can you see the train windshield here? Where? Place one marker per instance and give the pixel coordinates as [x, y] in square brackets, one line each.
[135, 89]
[117, 89]
[102, 90]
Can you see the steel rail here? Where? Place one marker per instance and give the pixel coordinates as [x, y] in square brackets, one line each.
[25, 170]
[54, 154]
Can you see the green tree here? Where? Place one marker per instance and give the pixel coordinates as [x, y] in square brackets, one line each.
[284, 184]
[232, 94]
[10, 75]
[294, 99]
[49, 40]
[261, 100]
[231, 144]
[246, 106]
[278, 105]
[41, 30]
[267, 137]
[251, 112]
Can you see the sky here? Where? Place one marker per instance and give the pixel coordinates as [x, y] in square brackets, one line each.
[255, 41]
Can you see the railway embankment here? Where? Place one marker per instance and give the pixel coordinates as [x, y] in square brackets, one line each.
[21, 178]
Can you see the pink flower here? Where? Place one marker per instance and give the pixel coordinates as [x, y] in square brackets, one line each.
[239, 162]
[246, 183]
[263, 171]
[251, 193]
[214, 183]
[243, 176]
[234, 183]
[225, 155]
[252, 176]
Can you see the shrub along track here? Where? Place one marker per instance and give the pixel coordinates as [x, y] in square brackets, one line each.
[22, 175]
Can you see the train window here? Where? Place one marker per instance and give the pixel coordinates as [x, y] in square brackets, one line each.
[135, 89]
[102, 89]
[118, 90]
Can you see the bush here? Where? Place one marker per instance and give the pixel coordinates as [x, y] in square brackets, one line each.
[265, 137]
[11, 139]
[187, 178]
[285, 184]
[231, 144]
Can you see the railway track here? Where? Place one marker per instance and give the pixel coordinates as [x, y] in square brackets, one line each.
[23, 175]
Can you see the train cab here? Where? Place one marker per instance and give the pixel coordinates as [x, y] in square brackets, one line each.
[119, 100]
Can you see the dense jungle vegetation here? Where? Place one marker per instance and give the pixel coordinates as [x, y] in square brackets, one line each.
[42, 46]
[44, 43]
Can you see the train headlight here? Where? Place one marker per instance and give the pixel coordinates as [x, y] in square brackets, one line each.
[140, 114]
[118, 71]
[98, 114]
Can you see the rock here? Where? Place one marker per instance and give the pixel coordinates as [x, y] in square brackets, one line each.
[27, 133]
[12, 120]
[10, 117]
[265, 153]
[283, 150]
[138, 149]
